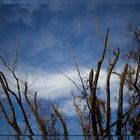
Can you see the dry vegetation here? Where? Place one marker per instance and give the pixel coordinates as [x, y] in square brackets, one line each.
[95, 116]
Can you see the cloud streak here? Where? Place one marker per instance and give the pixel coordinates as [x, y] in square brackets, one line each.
[55, 86]
[19, 13]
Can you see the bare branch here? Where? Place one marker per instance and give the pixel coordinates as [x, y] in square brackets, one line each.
[62, 122]
[13, 116]
[19, 103]
[71, 80]
[38, 120]
[120, 102]
[5, 115]
[108, 114]
[81, 79]
[16, 56]
[35, 102]
[81, 119]
[93, 94]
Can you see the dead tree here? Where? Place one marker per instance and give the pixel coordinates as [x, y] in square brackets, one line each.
[62, 122]
[120, 101]
[93, 79]
[34, 111]
[17, 96]
[84, 123]
[12, 121]
[108, 113]
[133, 79]
[94, 88]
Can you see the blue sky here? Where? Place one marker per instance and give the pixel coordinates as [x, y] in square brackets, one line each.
[53, 34]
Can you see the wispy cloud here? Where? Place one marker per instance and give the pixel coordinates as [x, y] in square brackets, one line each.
[49, 41]
[53, 85]
[19, 13]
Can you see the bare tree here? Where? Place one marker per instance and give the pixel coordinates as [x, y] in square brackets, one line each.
[94, 113]
[108, 112]
[62, 122]
[133, 79]
[120, 101]
[128, 78]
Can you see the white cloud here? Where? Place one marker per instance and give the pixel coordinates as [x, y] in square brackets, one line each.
[55, 86]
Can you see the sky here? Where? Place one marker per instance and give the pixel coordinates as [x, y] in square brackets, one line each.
[54, 34]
